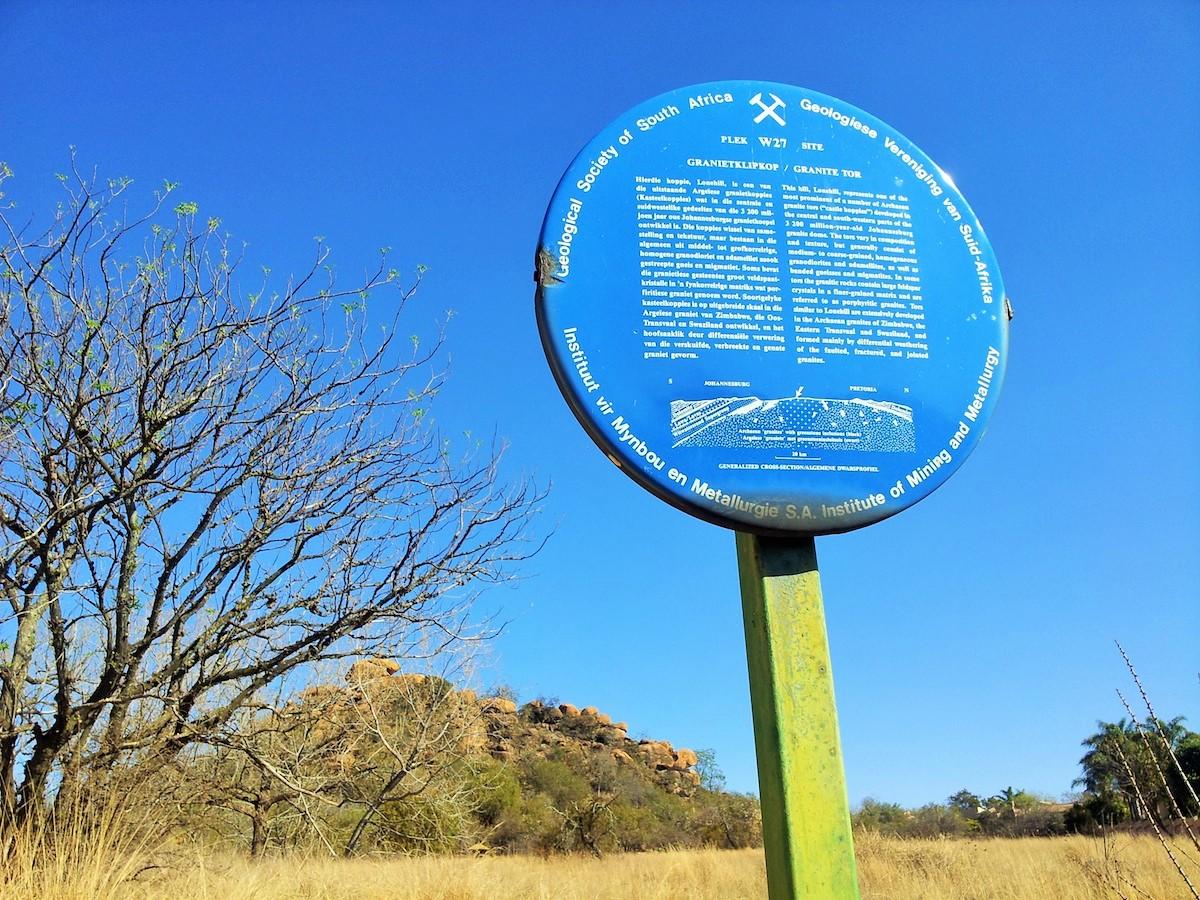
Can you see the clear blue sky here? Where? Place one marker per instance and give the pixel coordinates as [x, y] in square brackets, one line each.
[971, 635]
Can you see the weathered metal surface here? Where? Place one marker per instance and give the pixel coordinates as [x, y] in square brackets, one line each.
[802, 786]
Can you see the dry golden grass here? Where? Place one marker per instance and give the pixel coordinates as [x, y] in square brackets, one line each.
[1064, 868]
[1074, 868]
[90, 857]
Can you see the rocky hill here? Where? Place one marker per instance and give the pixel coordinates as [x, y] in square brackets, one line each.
[506, 731]
[535, 777]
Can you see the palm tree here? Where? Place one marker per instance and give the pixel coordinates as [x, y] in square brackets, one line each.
[1129, 762]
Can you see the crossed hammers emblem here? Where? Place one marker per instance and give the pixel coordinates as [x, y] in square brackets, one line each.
[768, 110]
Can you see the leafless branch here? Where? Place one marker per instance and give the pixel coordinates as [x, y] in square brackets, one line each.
[206, 487]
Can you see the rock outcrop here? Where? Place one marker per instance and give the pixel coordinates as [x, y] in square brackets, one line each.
[498, 706]
[366, 669]
[497, 727]
[549, 726]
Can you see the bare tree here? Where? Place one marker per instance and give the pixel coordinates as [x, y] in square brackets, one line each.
[204, 487]
[268, 764]
[397, 756]
[416, 755]
[588, 821]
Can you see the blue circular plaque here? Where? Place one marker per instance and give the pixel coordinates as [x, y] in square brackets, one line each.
[770, 308]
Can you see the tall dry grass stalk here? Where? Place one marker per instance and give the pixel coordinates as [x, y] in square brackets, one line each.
[1072, 868]
[78, 853]
[1174, 851]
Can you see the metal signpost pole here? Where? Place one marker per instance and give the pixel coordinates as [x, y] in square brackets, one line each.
[802, 787]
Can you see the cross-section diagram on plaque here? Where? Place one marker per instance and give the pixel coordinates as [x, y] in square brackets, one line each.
[793, 422]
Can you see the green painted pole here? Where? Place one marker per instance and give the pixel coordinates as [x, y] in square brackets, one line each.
[802, 784]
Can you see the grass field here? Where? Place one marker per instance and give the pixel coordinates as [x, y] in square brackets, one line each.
[1073, 868]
